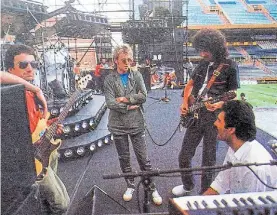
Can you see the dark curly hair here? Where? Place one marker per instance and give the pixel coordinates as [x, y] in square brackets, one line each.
[16, 50]
[239, 115]
[213, 41]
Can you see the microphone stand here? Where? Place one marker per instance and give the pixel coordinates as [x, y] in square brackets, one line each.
[165, 98]
[147, 195]
[146, 175]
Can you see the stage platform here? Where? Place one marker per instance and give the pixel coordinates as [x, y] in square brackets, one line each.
[266, 120]
[161, 120]
[80, 175]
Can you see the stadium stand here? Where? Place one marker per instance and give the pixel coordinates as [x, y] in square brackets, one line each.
[197, 16]
[238, 14]
[205, 12]
[249, 72]
[268, 44]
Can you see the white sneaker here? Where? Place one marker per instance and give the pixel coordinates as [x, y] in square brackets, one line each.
[128, 195]
[180, 191]
[157, 199]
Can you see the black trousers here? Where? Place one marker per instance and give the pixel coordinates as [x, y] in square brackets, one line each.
[140, 149]
[202, 128]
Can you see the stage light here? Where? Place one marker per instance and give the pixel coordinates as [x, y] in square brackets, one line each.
[80, 150]
[100, 143]
[66, 129]
[106, 140]
[68, 153]
[92, 147]
[111, 137]
[91, 122]
[77, 127]
[54, 111]
[84, 124]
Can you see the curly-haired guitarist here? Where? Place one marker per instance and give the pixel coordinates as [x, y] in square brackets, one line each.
[223, 72]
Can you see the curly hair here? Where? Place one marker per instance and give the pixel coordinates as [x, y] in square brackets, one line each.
[239, 115]
[16, 50]
[213, 41]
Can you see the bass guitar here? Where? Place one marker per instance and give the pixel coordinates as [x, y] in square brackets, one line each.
[43, 140]
[188, 119]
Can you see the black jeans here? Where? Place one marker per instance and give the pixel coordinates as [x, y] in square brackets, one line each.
[140, 149]
[193, 136]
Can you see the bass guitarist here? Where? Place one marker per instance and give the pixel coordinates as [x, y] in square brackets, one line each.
[212, 47]
[20, 62]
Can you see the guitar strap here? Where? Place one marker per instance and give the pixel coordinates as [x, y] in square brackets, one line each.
[216, 73]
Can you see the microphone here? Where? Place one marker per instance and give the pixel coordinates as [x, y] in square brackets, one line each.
[158, 172]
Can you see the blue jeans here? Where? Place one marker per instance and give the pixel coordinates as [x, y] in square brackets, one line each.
[140, 149]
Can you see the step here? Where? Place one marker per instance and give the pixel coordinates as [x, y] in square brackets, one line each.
[87, 143]
[86, 119]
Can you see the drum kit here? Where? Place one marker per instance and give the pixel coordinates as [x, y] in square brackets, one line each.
[55, 72]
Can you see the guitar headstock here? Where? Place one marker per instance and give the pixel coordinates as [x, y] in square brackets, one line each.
[229, 95]
[82, 82]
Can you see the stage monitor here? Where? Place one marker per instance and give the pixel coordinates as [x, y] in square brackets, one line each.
[17, 162]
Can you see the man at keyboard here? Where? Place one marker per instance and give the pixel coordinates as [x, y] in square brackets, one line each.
[236, 126]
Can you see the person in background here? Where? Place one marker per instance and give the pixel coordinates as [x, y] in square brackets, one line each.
[188, 68]
[236, 126]
[243, 98]
[77, 69]
[212, 47]
[125, 93]
[97, 75]
[104, 63]
[169, 80]
[20, 63]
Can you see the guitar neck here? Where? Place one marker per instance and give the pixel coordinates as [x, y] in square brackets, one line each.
[52, 129]
[199, 105]
[196, 107]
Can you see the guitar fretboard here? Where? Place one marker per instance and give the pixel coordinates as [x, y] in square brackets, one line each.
[52, 129]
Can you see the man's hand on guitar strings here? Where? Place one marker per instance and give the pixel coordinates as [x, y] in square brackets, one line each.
[59, 130]
[214, 106]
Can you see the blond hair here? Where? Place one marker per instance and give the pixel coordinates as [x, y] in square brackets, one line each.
[124, 48]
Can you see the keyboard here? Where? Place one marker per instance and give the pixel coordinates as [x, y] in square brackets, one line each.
[256, 203]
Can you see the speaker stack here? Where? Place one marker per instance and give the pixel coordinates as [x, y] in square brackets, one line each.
[17, 162]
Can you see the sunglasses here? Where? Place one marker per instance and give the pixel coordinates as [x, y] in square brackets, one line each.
[125, 61]
[24, 64]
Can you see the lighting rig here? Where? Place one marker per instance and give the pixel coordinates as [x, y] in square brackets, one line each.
[56, 107]
[86, 119]
[87, 143]
[145, 31]
[16, 16]
[85, 128]
[80, 25]
[160, 34]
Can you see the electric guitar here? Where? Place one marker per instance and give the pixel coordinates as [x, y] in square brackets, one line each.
[188, 119]
[43, 140]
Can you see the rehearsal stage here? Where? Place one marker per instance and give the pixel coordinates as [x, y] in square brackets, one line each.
[80, 175]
